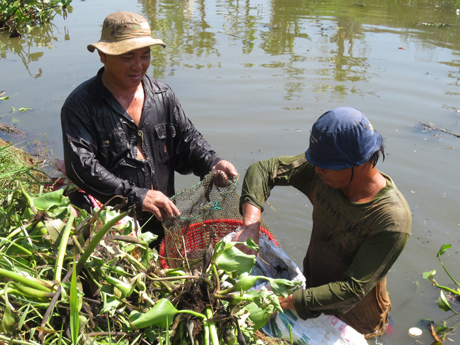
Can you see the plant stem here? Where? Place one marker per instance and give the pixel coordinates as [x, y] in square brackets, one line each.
[97, 238]
[62, 248]
[29, 281]
[31, 292]
[77, 244]
[12, 341]
[15, 232]
[21, 248]
[134, 261]
[191, 312]
[216, 275]
[447, 289]
[212, 327]
[207, 281]
[453, 279]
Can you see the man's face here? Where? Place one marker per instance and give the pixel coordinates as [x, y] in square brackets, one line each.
[126, 70]
[334, 178]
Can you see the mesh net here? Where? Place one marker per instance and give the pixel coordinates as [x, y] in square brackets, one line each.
[209, 211]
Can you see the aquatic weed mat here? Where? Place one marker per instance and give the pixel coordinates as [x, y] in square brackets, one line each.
[83, 278]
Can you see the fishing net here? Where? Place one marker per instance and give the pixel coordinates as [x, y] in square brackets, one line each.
[209, 211]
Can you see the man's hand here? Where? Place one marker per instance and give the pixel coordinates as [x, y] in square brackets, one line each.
[251, 227]
[156, 201]
[226, 167]
[287, 303]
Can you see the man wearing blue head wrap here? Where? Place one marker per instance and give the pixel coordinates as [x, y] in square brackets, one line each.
[361, 222]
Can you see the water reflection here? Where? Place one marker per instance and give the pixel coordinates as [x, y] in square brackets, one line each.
[282, 30]
[31, 46]
[287, 32]
[186, 35]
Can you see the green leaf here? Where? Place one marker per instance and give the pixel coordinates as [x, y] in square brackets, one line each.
[126, 289]
[160, 315]
[226, 244]
[74, 311]
[265, 299]
[218, 249]
[284, 286]
[4, 98]
[258, 315]
[443, 249]
[108, 214]
[23, 316]
[429, 275]
[251, 244]
[10, 319]
[234, 260]
[15, 120]
[148, 237]
[24, 109]
[110, 304]
[247, 282]
[53, 199]
[442, 329]
[443, 303]
[54, 227]
[274, 301]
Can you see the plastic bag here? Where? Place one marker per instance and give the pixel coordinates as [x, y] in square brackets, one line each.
[323, 330]
[273, 262]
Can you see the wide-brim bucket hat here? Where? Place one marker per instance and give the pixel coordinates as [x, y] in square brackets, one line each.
[123, 32]
[342, 138]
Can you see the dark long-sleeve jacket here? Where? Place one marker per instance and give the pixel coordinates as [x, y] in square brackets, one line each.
[100, 142]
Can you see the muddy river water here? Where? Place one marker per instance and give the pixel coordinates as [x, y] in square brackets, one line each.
[254, 75]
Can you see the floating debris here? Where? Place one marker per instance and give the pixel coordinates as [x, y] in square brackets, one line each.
[433, 24]
[10, 129]
[415, 332]
[432, 127]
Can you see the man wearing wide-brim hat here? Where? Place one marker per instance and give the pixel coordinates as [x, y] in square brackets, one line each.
[361, 221]
[126, 133]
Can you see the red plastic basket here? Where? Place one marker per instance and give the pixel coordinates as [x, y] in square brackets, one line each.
[195, 240]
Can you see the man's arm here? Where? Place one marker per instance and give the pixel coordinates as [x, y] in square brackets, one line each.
[259, 180]
[251, 226]
[371, 264]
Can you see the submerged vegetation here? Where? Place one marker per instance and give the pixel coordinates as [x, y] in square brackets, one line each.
[92, 278]
[19, 15]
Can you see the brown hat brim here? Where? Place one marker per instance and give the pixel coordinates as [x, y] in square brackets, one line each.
[125, 46]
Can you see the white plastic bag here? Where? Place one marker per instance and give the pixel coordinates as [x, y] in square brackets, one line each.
[273, 262]
[323, 330]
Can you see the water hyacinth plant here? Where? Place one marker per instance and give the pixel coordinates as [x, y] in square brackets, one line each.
[69, 279]
[441, 329]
